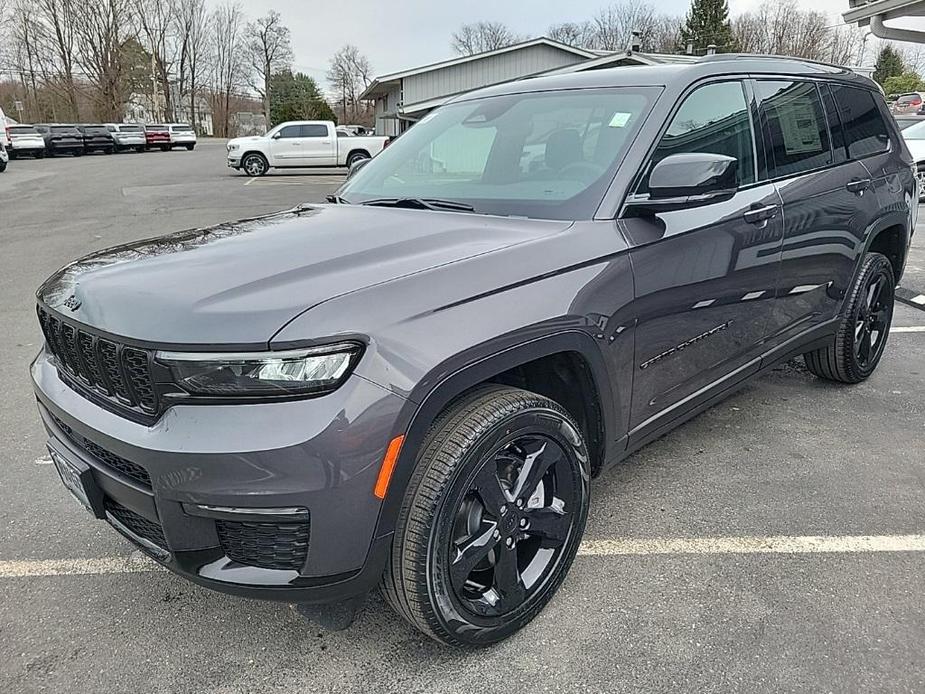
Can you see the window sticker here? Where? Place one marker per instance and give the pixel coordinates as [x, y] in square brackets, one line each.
[799, 127]
[620, 119]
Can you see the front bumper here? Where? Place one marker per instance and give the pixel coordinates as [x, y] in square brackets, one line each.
[234, 160]
[165, 486]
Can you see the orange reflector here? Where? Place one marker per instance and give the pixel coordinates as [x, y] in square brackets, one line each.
[388, 465]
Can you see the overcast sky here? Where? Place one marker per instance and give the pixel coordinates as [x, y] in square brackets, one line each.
[401, 34]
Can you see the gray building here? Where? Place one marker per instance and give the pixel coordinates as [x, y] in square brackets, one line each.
[404, 97]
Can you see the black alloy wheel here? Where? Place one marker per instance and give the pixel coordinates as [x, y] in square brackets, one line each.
[492, 517]
[858, 345]
[512, 524]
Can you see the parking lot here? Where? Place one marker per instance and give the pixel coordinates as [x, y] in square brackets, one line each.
[774, 543]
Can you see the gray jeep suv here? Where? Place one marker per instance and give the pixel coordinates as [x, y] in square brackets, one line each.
[413, 386]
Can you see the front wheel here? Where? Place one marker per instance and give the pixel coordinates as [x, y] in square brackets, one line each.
[255, 165]
[492, 517]
[857, 347]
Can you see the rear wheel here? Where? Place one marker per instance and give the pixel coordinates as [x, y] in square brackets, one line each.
[190, 147]
[40, 154]
[78, 152]
[164, 148]
[355, 157]
[492, 517]
[858, 345]
[140, 149]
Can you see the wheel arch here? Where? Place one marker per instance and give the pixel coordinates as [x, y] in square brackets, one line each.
[358, 150]
[891, 238]
[258, 153]
[569, 352]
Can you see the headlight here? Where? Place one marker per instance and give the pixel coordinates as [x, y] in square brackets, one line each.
[311, 371]
[232, 148]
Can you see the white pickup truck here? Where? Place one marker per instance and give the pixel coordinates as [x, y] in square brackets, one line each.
[304, 143]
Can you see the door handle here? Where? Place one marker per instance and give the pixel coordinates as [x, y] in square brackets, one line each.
[760, 214]
[858, 185]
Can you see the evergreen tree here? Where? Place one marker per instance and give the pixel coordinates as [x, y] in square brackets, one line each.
[889, 64]
[296, 97]
[707, 23]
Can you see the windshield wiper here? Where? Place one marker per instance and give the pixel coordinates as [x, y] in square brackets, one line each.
[336, 199]
[421, 204]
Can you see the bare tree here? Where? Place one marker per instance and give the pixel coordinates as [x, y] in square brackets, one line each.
[227, 73]
[480, 37]
[156, 21]
[782, 28]
[101, 28]
[59, 18]
[349, 73]
[269, 51]
[191, 26]
[579, 34]
[614, 25]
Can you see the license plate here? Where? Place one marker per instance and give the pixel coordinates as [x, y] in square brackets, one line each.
[78, 480]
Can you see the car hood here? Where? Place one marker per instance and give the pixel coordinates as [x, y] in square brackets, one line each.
[239, 283]
[243, 140]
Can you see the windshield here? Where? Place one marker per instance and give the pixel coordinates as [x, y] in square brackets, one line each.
[915, 132]
[546, 155]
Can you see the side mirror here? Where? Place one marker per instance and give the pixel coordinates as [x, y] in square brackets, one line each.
[356, 166]
[278, 134]
[688, 180]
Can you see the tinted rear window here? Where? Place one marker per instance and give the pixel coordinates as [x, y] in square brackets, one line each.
[182, 129]
[909, 99]
[795, 126]
[94, 129]
[156, 128]
[22, 130]
[130, 128]
[64, 129]
[865, 130]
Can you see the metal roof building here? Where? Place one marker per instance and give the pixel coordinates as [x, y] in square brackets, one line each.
[404, 97]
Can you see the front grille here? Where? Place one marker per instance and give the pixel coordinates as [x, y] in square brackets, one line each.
[141, 526]
[278, 545]
[120, 374]
[111, 460]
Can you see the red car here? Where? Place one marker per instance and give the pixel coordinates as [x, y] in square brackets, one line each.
[157, 136]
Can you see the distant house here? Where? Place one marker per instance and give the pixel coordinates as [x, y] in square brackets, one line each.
[140, 108]
[401, 98]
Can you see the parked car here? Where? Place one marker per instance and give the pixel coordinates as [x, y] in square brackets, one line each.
[414, 387]
[4, 157]
[908, 103]
[909, 120]
[24, 140]
[157, 136]
[127, 136]
[97, 138]
[61, 139]
[300, 144]
[182, 135]
[914, 137]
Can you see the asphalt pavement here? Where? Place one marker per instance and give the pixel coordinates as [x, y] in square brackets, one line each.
[774, 543]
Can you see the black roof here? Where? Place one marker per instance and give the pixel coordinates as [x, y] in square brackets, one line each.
[677, 73]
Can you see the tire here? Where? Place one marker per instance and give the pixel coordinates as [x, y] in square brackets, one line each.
[462, 532]
[109, 150]
[857, 346]
[255, 165]
[11, 153]
[40, 154]
[165, 148]
[141, 149]
[190, 148]
[78, 153]
[2, 166]
[355, 157]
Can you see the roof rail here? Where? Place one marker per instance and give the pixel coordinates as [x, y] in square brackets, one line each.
[716, 57]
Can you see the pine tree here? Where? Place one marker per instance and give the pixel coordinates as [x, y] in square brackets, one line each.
[707, 23]
[889, 64]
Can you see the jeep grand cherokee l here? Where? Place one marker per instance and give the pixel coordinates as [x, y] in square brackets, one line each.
[413, 387]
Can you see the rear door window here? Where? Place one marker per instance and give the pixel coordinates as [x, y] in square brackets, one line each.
[713, 119]
[865, 130]
[794, 126]
[314, 130]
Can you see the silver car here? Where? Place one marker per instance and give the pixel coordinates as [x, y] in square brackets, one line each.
[182, 135]
[25, 139]
[4, 157]
[127, 136]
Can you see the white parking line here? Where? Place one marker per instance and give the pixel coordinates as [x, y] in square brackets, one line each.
[908, 329]
[756, 545]
[813, 544]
